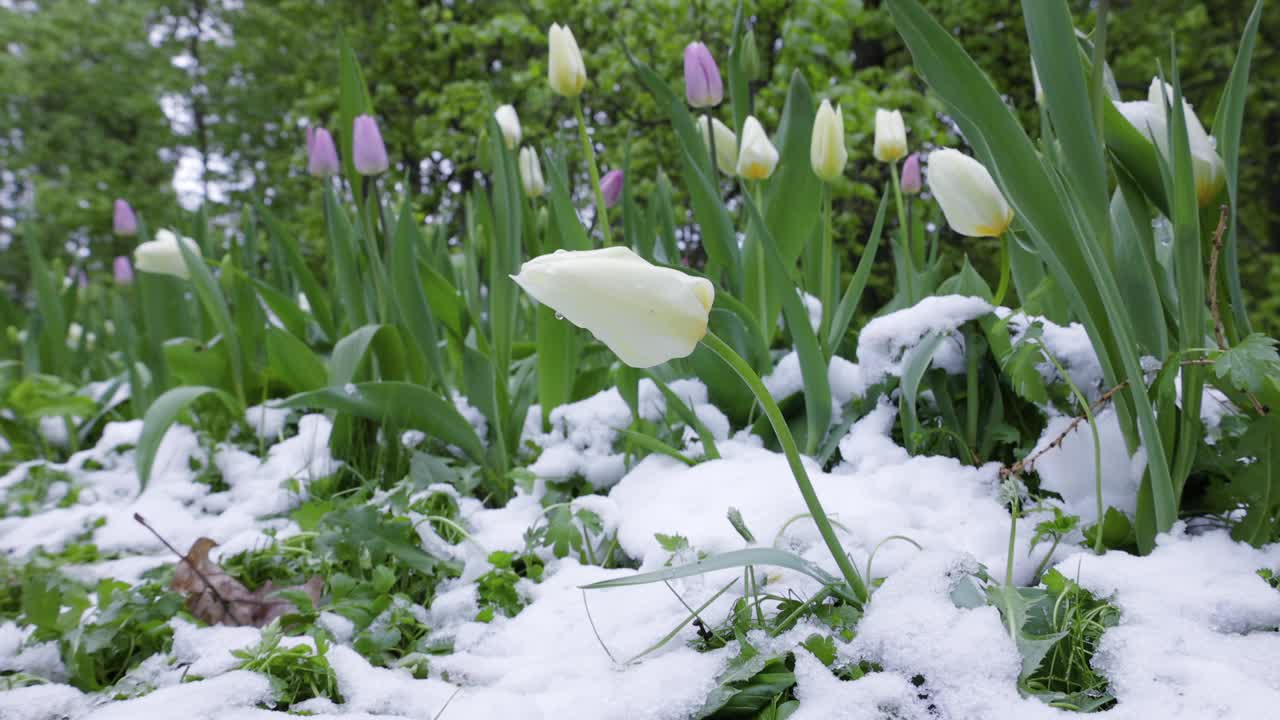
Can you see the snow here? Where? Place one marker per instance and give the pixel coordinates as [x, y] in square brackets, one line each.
[1069, 345]
[935, 501]
[582, 435]
[884, 342]
[211, 698]
[266, 421]
[1070, 470]
[1197, 635]
[175, 502]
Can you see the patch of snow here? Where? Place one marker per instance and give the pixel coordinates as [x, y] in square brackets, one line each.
[582, 434]
[471, 415]
[1069, 469]
[53, 428]
[1069, 345]
[1197, 636]
[936, 501]
[217, 697]
[43, 702]
[267, 422]
[885, 341]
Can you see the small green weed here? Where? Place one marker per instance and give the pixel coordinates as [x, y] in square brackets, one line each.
[496, 590]
[296, 673]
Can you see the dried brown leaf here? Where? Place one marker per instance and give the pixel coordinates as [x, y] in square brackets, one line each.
[219, 599]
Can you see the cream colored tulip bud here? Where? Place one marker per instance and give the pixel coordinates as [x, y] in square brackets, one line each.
[1150, 117]
[827, 152]
[891, 136]
[970, 200]
[565, 70]
[644, 313]
[531, 173]
[509, 123]
[757, 157]
[162, 255]
[726, 144]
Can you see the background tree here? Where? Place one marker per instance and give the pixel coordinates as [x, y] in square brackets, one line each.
[82, 98]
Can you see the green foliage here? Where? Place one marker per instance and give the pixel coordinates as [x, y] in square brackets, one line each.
[1065, 677]
[297, 671]
[1248, 363]
[496, 590]
[98, 646]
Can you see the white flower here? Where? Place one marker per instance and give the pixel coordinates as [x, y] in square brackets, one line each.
[644, 313]
[726, 144]
[827, 153]
[531, 173]
[757, 157]
[891, 136]
[509, 122]
[565, 70]
[969, 197]
[1149, 117]
[162, 256]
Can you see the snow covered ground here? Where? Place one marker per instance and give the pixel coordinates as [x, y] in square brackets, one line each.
[1197, 636]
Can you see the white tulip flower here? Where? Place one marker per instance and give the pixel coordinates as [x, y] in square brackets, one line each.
[726, 144]
[509, 122]
[162, 255]
[565, 69]
[891, 136]
[1149, 117]
[644, 313]
[757, 157]
[531, 173]
[827, 153]
[970, 199]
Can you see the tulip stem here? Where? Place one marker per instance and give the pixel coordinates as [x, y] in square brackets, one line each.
[792, 451]
[711, 147]
[907, 252]
[589, 155]
[826, 283]
[1003, 287]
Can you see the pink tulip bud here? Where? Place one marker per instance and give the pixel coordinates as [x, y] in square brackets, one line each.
[124, 222]
[322, 155]
[911, 174]
[123, 270]
[702, 85]
[367, 151]
[611, 187]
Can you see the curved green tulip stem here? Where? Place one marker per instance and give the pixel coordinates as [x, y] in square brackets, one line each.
[792, 451]
[1003, 287]
[589, 156]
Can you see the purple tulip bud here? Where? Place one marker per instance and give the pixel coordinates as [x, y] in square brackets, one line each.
[123, 270]
[124, 222]
[911, 174]
[81, 278]
[322, 156]
[611, 187]
[367, 151]
[702, 85]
